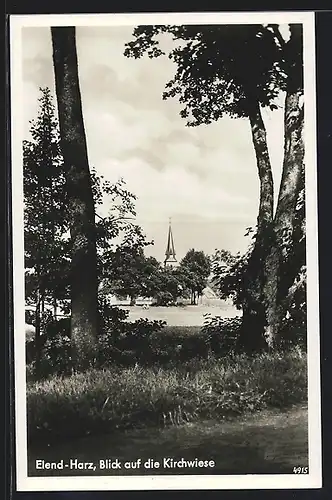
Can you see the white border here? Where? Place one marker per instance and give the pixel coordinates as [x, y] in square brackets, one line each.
[102, 483]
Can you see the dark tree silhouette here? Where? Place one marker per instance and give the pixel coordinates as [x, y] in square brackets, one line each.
[194, 271]
[83, 281]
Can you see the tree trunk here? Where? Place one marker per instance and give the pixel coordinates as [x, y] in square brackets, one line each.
[271, 272]
[258, 132]
[280, 275]
[80, 198]
[280, 270]
[55, 308]
[251, 336]
[37, 336]
[132, 301]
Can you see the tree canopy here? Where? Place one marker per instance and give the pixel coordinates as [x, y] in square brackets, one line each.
[46, 225]
[193, 272]
[220, 69]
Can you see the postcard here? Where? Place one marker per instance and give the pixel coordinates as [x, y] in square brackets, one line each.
[165, 251]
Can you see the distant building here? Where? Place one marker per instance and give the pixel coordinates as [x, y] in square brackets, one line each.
[170, 260]
[209, 296]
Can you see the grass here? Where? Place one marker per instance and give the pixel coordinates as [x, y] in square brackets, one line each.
[100, 401]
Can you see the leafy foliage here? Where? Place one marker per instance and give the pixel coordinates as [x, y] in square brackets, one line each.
[193, 273]
[170, 287]
[220, 334]
[121, 341]
[133, 345]
[220, 69]
[130, 272]
[46, 238]
[228, 271]
[57, 356]
[123, 268]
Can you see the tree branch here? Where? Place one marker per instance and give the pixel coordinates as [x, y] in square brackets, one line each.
[115, 218]
[277, 34]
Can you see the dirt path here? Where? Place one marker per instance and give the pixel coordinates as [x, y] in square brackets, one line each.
[268, 442]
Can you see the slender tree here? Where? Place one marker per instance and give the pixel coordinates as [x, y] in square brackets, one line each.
[83, 281]
[45, 215]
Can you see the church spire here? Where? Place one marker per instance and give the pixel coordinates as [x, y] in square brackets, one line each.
[170, 259]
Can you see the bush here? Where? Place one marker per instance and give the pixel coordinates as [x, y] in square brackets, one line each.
[131, 343]
[221, 333]
[103, 400]
[56, 355]
[112, 320]
[149, 343]
[119, 342]
[123, 342]
[55, 348]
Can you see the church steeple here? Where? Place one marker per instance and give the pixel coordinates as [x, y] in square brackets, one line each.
[170, 259]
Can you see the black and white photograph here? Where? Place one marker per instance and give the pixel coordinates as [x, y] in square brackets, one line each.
[165, 255]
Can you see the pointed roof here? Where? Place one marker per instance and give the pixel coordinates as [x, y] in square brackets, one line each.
[170, 250]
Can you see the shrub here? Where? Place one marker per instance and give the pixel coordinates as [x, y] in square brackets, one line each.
[221, 334]
[123, 342]
[56, 355]
[55, 348]
[112, 319]
[119, 342]
[130, 344]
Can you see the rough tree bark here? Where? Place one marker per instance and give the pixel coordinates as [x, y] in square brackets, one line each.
[258, 132]
[80, 198]
[251, 336]
[279, 274]
[270, 274]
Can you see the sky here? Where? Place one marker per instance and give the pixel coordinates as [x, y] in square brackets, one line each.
[204, 178]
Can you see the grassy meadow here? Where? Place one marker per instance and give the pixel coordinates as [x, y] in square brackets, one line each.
[102, 401]
[184, 316]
